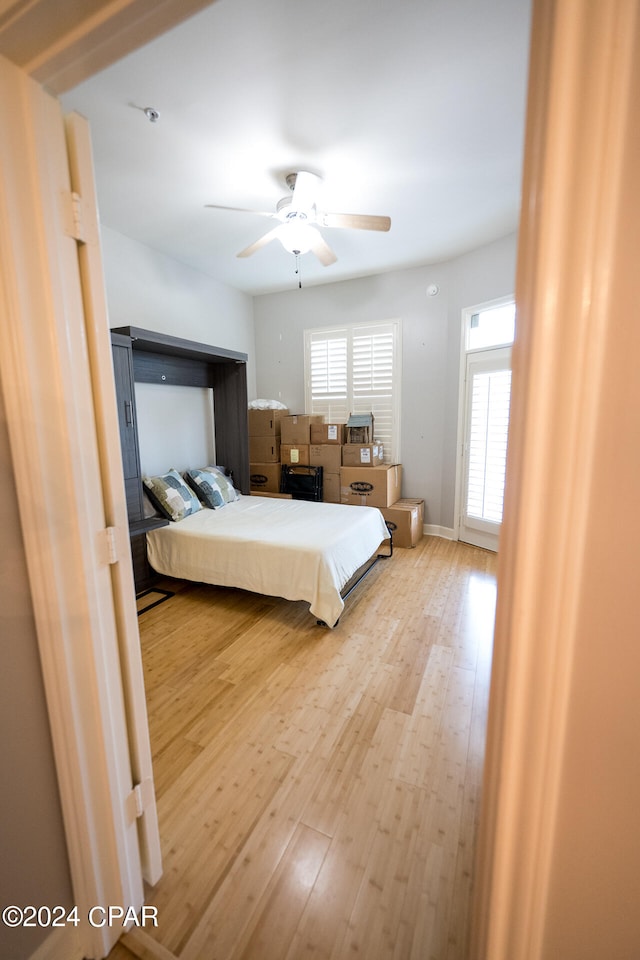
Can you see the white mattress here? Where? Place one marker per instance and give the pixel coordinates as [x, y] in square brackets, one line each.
[295, 549]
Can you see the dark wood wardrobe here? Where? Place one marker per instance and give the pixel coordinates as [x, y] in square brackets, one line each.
[144, 356]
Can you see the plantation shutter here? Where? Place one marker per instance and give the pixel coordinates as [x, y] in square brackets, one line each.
[327, 376]
[355, 369]
[487, 456]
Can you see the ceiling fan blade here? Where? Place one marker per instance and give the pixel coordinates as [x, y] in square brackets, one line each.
[262, 242]
[258, 213]
[354, 221]
[323, 251]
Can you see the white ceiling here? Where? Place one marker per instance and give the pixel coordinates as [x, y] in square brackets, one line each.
[412, 109]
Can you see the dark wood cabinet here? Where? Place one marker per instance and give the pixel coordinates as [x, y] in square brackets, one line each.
[162, 359]
[123, 374]
[126, 400]
[144, 575]
[144, 356]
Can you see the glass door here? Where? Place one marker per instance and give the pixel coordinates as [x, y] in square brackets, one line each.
[487, 401]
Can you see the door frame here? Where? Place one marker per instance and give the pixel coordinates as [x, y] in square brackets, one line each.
[51, 420]
[465, 322]
[573, 404]
[142, 803]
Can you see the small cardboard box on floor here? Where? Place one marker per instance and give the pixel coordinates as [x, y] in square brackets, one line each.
[406, 519]
[371, 486]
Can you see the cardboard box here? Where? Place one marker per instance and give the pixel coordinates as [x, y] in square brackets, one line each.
[410, 500]
[264, 449]
[327, 433]
[265, 423]
[406, 519]
[362, 455]
[371, 486]
[331, 487]
[264, 477]
[326, 455]
[294, 453]
[297, 429]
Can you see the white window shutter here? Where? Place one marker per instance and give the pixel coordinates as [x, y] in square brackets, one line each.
[327, 375]
[356, 369]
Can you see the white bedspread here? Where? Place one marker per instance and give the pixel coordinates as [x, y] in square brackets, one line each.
[295, 549]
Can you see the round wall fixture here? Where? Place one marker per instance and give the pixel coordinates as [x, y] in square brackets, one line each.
[433, 289]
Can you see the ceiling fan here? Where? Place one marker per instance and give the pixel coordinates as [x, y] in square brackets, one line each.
[300, 218]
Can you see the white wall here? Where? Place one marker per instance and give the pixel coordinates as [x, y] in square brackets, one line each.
[183, 413]
[150, 290]
[430, 355]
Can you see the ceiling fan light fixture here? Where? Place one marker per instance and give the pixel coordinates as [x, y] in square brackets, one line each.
[297, 237]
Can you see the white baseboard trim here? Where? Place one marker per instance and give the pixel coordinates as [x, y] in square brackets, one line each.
[62, 944]
[433, 530]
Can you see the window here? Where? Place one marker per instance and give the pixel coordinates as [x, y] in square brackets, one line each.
[356, 369]
[492, 326]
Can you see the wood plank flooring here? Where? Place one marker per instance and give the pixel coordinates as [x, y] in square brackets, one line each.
[318, 789]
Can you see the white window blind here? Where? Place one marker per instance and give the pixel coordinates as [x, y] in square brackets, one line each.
[356, 369]
[491, 393]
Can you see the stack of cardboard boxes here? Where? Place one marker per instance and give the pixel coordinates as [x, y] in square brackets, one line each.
[366, 480]
[325, 451]
[264, 450]
[276, 437]
[354, 471]
[296, 438]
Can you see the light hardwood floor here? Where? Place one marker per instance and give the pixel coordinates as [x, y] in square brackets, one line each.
[318, 789]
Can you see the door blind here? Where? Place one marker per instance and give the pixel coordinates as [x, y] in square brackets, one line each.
[487, 455]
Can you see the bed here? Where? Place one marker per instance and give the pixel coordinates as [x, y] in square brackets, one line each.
[296, 549]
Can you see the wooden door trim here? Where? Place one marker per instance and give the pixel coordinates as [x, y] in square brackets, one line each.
[49, 403]
[580, 105]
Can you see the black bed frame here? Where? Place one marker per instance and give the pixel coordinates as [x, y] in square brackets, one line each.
[361, 573]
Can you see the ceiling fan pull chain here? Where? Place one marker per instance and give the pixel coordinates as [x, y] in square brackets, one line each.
[297, 256]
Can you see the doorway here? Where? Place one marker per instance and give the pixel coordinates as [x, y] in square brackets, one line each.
[485, 392]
